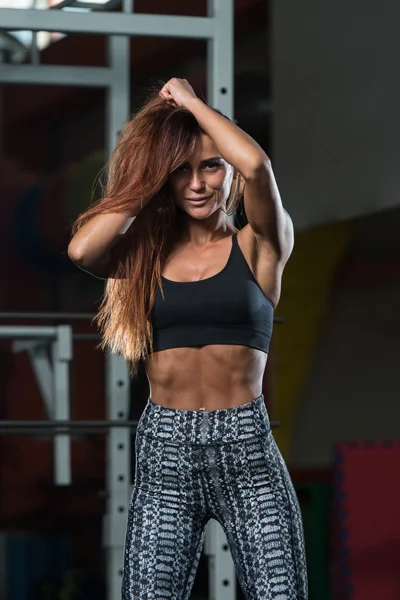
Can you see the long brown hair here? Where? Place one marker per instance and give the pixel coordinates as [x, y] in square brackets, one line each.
[155, 142]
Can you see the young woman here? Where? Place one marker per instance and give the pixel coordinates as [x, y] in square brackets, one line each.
[194, 299]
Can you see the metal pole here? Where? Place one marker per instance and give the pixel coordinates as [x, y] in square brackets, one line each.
[220, 59]
[107, 23]
[47, 315]
[118, 472]
[128, 6]
[54, 75]
[75, 427]
[118, 96]
[220, 93]
[62, 356]
[53, 427]
[117, 376]
[64, 317]
[222, 576]
[18, 332]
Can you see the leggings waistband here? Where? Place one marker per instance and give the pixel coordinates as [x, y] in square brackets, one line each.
[221, 426]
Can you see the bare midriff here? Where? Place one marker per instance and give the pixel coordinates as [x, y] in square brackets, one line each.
[206, 378]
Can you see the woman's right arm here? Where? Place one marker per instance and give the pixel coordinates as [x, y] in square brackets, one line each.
[90, 248]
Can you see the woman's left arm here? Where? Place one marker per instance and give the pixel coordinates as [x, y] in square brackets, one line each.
[262, 202]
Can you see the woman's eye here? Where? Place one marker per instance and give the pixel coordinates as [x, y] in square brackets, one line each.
[212, 166]
[181, 169]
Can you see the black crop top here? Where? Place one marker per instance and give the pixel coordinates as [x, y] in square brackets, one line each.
[227, 308]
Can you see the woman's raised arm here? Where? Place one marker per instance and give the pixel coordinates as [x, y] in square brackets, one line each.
[90, 248]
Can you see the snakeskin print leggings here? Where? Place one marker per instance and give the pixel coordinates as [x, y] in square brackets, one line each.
[223, 464]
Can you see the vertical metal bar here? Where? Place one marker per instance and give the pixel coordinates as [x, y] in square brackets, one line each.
[221, 570]
[118, 472]
[127, 6]
[42, 368]
[118, 94]
[62, 355]
[220, 94]
[220, 57]
[34, 50]
[117, 379]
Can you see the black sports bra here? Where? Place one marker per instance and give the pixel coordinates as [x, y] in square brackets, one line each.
[227, 308]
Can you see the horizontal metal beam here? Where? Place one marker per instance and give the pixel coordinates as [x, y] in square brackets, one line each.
[66, 316]
[49, 75]
[107, 23]
[28, 332]
[48, 316]
[53, 427]
[107, 6]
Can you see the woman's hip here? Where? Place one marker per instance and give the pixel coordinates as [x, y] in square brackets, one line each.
[203, 427]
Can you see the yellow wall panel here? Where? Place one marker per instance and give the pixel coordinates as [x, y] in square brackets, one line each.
[307, 286]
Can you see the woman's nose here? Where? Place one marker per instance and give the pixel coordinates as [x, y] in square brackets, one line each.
[196, 181]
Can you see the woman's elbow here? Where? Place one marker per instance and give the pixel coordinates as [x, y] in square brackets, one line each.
[258, 169]
[76, 252]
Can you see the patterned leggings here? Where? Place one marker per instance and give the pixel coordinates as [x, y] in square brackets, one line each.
[223, 464]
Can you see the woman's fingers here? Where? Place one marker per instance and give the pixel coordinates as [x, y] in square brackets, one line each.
[178, 91]
[165, 93]
[168, 98]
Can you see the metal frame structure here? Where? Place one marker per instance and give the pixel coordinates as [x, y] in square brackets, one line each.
[118, 472]
[53, 381]
[217, 29]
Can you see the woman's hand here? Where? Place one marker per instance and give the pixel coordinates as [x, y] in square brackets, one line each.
[178, 91]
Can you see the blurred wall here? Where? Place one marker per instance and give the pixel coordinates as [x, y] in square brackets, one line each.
[308, 282]
[336, 99]
[353, 389]
[353, 386]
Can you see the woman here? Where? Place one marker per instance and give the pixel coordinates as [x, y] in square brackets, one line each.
[194, 298]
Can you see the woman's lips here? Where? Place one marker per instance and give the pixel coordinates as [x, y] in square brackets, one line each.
[198, 200]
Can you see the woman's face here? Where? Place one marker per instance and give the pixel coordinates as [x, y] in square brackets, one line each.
[202, 185]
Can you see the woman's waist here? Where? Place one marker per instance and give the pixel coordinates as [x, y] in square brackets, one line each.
[201, 397]
[218, 425]
[210, 377]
